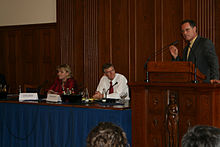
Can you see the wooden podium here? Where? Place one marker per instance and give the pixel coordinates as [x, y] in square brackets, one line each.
[173, 72]
[163, 111]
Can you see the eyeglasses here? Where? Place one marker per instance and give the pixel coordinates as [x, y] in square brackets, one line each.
[110, 71]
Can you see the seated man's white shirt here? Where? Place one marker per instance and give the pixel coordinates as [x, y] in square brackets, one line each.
[119, 89]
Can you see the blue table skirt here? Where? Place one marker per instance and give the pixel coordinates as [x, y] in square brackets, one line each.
[28, 125]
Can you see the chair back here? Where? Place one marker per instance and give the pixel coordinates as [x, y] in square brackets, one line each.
[28, 88]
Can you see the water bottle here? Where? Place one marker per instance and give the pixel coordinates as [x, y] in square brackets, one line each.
[86, 95]
[104, 92]
[72, 91]
[19, 89]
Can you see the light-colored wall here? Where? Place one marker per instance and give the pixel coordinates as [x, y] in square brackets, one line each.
[21, 12]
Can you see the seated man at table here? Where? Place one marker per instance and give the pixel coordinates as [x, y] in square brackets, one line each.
[112, 85]
[106, 134]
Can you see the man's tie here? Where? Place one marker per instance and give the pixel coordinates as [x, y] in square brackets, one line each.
[111, 90]
[189, 48]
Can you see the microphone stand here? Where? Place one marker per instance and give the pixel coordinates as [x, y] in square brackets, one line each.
[105, 94]
[145, 66]
[147, 77]
[156, 54]
[195, 76]
[195, 70]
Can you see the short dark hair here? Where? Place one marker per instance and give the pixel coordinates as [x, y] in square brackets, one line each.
[191, 22]
[107, 134]
[202, 136]
[106, 66]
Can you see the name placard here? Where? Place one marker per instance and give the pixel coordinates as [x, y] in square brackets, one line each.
[53, 98]
[28, 96]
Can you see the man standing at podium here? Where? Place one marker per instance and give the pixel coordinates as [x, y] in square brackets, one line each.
[199, 50]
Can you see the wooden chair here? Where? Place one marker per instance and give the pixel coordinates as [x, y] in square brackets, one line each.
[28, 88]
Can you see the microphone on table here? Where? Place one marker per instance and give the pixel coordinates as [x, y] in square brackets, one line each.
[105, 93]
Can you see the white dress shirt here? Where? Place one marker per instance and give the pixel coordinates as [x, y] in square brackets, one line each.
[121, 88]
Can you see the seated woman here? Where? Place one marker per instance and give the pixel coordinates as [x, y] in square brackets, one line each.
[64, 80]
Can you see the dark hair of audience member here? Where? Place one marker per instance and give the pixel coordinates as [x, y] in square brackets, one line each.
[106, 134]
[202, 136]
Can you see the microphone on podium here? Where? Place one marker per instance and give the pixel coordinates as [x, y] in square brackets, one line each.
[159, 52]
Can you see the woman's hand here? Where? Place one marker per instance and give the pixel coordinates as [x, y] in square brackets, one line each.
[52, 92]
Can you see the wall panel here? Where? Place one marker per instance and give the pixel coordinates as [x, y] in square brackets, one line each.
[23, 49]
[120, 35]
[216, 26]
[145, 36]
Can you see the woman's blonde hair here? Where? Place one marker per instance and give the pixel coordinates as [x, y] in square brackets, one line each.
[67, 68]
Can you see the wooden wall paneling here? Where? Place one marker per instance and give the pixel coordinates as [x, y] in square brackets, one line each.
[190, 9]
[171, 18]
[23, 51]
[3, 50]
[78, 53]
[48, 54]
[12, 59]
[39, 56]
[120, 35]
[206, 19]
[64, 13]
[28, 56]
[90, 45]
[145, 36]
[132, 39]
[216, 26]
[158, 30]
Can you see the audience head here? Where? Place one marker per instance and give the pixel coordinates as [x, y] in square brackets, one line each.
[202, 136]
[188, 28]
[64, 72]
[106, 134]
[109, 70]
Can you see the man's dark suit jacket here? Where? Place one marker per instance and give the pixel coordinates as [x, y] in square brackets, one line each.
[203, 55]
